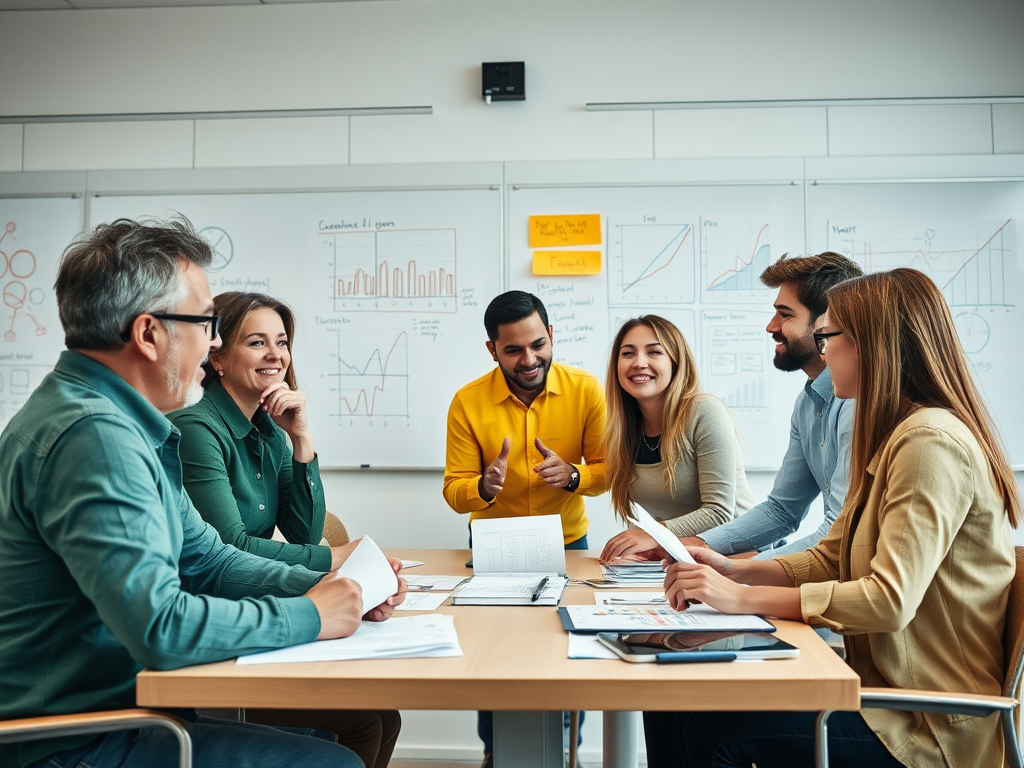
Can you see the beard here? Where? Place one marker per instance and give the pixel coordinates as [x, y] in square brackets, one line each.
[187, 393]
[527, 386]
[796, 353]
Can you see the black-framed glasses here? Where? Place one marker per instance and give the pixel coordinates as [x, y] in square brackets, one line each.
[821, 339]
[210, 322]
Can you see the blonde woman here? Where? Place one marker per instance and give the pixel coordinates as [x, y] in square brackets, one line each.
[669, 447]
[917, 568]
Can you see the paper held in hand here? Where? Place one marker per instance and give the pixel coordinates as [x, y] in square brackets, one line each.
[665, 538]
[368, 566]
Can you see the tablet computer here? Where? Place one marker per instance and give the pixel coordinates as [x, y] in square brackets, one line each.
[676, 647]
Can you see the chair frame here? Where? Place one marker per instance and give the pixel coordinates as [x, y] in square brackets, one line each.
[35, 728]
[940, 702]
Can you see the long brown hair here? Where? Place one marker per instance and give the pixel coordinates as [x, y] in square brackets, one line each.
[908, 347]
[234, 307]
[625, 421]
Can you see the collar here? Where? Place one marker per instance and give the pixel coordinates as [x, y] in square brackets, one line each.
[553, 386]
[239, 426]
[821, 387]
[97, 377]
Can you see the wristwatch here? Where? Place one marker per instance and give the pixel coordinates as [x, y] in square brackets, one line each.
[574, 480]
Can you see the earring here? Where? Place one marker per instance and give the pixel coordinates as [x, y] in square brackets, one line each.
[220, 373]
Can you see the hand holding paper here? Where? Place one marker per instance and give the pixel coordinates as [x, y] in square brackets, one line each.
[374, 573]
[665, 538]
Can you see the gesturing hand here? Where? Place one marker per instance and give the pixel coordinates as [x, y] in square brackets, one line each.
[708, 581]
[493, 478]
[552, 470]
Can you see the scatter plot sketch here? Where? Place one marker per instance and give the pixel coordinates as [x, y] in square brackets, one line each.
[18, 297]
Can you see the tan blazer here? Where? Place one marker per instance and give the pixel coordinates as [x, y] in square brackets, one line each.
[917, 581]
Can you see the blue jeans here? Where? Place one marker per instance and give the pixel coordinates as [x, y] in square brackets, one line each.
[215, 744]
[485, 720]
[769, 739]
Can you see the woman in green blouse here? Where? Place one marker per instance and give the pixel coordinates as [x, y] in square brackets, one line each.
[245, 479]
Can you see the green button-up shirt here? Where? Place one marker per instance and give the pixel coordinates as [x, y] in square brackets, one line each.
[106, 566]
[241, 476]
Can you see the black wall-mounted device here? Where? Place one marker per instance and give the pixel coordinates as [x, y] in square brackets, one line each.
[504, 81]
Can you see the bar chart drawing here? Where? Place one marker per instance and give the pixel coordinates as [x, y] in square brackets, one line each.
[651, 264]
[968, 261]
[733, 256]
[401, 270]
[371, 381]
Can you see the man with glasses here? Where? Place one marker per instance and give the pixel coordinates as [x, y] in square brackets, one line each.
[105, 564]
[817, 460]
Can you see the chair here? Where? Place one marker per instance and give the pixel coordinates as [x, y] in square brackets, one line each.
[941, 702]
[35, 728]
[334, 531]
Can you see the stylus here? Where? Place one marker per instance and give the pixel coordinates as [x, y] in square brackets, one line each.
[684, 657]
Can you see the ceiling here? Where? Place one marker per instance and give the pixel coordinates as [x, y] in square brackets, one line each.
[71, 5]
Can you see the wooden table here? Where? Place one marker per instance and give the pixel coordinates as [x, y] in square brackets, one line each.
[515, 661]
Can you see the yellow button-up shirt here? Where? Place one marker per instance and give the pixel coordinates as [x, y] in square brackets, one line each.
[568, 417]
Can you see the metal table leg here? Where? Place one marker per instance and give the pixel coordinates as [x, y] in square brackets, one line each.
[528, 740]
[621, 745]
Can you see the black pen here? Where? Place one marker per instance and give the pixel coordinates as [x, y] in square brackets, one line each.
[539, 589]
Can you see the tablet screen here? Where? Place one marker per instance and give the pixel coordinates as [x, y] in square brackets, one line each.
[642, 644]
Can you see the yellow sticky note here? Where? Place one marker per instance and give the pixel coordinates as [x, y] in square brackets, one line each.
[548, 231]
[566, 262]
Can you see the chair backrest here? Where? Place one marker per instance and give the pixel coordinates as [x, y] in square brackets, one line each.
[1013, 629]
[337, 535]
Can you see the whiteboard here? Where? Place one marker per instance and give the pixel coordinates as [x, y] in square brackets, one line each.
[33, 234]
[967, 237]
[388, 288]
[692, 254]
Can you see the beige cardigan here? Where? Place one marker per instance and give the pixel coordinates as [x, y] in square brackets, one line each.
[917, 582]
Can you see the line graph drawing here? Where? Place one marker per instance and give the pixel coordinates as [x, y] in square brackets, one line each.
[732, 259]
[968, 261]
[651, 264]
[371, 379]
[400, 270]
[19, 266]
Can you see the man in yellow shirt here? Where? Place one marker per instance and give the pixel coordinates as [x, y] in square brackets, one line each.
[518, 437]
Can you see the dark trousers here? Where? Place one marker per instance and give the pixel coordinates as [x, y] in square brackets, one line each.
[370, 734]
[485, 720]
[769, 739]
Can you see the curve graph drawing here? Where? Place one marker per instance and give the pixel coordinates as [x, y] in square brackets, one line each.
[733, 258]
[651, 264]
[371, 380]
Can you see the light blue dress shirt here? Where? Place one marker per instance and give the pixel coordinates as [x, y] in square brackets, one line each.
[817, 461]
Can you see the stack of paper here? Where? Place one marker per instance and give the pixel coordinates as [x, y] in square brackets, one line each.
[511, 589]
[412, 636]
[635, 572]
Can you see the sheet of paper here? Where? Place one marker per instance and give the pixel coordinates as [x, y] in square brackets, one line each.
[422, 601]
[668, 540]
[587, 647]
[411, 563]
[430, 635]
[519, 545]
[630, 598]
[434, 583]
[652, 618]
[561, 230]
[368, 566]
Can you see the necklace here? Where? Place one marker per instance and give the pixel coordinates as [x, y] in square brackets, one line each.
[651, 448]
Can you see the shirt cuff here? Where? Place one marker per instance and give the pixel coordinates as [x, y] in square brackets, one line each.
[303, 619]
[815, 599]
[721, 543]
[474, 500]
[320, 558]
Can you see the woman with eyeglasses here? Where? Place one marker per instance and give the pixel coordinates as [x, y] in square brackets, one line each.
[669, 447]
[249, 465]
[917, 568]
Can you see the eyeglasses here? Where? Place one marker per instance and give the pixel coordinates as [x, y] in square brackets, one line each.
[210, 322]
[821, 339]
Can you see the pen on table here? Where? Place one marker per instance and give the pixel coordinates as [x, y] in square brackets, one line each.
[539, 589]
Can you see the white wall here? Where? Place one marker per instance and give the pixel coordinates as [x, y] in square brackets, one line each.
[428, 52]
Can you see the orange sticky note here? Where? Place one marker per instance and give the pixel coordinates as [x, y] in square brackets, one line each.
[557, 231]
[566, 262]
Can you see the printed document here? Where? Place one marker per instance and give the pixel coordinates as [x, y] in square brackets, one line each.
[519, 545]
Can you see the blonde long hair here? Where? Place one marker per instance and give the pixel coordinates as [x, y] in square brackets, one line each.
[908, 346]
[625, 421]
